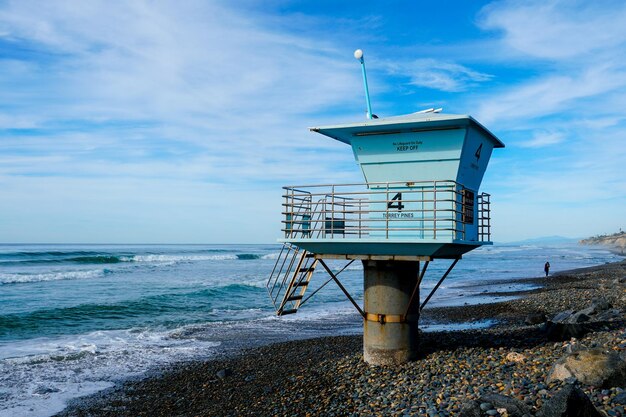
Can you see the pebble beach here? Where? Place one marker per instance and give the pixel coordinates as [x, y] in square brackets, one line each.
[327, 376]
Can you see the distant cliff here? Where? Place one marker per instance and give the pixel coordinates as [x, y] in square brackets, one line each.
[616, 241]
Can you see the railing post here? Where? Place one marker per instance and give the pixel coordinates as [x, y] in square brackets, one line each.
[344, 204]
[462, 212]
[423, 216]
[288, 215]
[359, 208]
[488, 219]
[293, 213]
[481, 218]
[479, 202]
[463, 208]
[456, 210]
[332, 212]
[435, 210]
[387, 212]
[323, 219]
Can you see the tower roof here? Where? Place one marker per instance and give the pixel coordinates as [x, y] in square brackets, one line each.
[414, 122]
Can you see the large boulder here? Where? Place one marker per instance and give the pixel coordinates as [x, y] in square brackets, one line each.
[562, 317]
[595, 367]
[570, 323]
[571, 316]
[566, 324]
[471, 409]
[601, 310]
[558, 331]
[609, 315]
[570, 401]
[535, 318]
[513, 406]
[600, 304]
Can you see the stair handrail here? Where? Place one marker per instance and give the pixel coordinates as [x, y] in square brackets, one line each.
[272, 282]
[291, 286]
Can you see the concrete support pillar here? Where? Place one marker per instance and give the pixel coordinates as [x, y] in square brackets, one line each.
[388, 336]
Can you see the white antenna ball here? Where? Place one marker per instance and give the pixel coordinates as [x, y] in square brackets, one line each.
[358, 54]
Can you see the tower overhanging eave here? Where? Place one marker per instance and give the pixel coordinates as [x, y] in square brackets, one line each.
[403, 124]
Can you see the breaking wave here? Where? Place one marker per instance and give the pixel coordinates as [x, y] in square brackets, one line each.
[49, 276]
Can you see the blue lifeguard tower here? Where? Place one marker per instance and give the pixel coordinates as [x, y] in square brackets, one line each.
[420, 201]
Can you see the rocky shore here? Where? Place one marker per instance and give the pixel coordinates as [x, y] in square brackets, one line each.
[559, 350]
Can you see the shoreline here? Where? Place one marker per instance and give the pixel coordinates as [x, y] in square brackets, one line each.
[508, 312]
[327, 375]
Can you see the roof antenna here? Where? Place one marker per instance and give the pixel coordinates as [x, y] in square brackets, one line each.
[431, 110]
[358, 54]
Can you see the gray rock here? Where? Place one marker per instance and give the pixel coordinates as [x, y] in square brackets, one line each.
[608, 315]
[562, 316]
[590, 311]
[571, 316]
[535, 318]
[578, 317]
[600, 304]
[223, 373]
[557, 331]
[570, 401]
[594, 367]
[471, 409]
[486, 406]
[565, 325]
[514, 407]
[574, 347]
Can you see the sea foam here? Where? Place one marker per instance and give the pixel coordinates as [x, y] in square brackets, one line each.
[6, 278]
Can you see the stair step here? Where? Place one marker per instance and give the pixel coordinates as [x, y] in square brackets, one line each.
[310, 255]
[309, 269]
[302, 284]
[295, 298]
[285, 312]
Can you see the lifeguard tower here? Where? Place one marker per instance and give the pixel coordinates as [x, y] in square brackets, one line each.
[420, 201]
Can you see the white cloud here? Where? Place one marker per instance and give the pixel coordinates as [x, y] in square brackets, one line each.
[194, 97]
[565, 115]
[574, 51]
[117, 108]
[439, 75]
[200, 73]
[543, 139]
[551, 94]
[557, 29]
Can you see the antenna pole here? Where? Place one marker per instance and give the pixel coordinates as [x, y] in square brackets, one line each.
[358, 54]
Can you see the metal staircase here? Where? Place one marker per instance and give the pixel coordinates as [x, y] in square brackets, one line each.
[290, 278]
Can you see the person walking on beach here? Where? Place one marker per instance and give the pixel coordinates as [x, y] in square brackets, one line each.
[546, 268]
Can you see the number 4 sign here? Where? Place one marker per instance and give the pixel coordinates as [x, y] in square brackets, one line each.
[396, 202]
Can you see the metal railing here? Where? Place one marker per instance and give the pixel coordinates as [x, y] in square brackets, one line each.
[484, 217]
[395, 210]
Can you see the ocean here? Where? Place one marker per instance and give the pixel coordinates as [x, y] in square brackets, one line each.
[76, 319]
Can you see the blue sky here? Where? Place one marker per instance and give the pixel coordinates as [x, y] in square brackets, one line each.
[178, 122]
